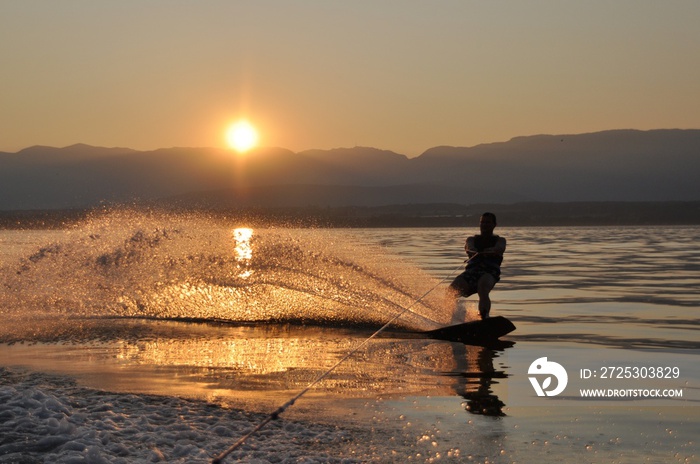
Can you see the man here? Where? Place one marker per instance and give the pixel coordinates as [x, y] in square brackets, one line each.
[483, 269]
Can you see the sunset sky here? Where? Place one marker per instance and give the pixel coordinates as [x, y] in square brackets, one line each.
[398, 75]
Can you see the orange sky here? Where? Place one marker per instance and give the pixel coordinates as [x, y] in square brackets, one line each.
[399, 75]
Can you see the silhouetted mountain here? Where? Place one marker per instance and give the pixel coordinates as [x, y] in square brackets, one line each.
[620, 165]
[625, 165]
[366, 166]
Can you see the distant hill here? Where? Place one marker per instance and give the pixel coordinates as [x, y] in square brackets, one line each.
[620, 166]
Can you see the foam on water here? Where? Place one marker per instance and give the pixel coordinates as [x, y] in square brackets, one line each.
[130, 265]
[50, 419]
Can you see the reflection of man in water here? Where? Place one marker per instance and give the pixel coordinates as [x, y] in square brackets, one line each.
[479, 376]
[483, 269]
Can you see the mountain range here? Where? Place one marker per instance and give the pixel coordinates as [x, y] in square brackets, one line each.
[619, 165]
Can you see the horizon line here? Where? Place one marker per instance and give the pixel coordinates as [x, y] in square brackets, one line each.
[273, 147]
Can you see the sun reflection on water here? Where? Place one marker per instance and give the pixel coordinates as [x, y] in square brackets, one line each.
[267, 363]
[243, 250]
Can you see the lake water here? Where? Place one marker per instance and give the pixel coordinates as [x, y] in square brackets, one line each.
[244, 318]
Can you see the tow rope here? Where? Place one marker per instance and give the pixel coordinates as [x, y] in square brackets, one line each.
[219, 459]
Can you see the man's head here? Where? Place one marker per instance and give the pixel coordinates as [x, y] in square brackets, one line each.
[487, 223]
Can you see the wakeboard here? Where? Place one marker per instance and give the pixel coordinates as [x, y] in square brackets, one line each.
[478, 332]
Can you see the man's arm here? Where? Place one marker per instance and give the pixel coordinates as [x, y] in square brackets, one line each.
[470, 247]
[498, 249]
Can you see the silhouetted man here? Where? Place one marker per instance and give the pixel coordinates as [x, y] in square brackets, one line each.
[483, 269]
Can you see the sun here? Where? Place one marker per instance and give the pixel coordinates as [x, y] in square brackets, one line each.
[241, 136]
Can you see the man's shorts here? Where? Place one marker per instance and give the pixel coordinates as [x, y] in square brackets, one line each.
[467, 282]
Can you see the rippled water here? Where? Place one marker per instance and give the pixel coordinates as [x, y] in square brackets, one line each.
[624, 286]
[247, 317]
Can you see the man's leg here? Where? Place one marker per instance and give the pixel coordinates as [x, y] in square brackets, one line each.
[484, 287]
[461, 287]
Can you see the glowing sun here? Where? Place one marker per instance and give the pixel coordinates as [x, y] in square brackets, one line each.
[241, 136]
